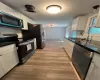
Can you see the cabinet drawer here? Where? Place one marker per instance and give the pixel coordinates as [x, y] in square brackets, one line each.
[6, 48]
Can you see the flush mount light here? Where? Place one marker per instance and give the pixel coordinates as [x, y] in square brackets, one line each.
[53, 9]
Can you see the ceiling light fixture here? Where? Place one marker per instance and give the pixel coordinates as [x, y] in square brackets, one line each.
[53, 9]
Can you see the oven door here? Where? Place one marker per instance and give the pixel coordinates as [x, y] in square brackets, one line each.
[81, 59]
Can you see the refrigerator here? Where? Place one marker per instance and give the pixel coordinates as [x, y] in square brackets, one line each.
[37, 31]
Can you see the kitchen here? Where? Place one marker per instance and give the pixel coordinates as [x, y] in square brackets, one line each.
[84, 45]
[80, 41]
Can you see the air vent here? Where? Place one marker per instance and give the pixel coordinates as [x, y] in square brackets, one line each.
[30, 8]
[96, 8]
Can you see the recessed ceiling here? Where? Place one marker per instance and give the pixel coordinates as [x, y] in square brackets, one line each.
[70, 9]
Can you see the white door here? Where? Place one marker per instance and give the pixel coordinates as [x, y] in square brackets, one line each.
[9, 59]
[1, 69]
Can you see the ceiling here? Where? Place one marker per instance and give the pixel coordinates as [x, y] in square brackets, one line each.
[70, 9]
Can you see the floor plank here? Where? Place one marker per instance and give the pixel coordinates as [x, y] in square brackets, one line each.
[50, 63]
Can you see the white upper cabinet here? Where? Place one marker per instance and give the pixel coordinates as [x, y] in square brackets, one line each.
[79, 23]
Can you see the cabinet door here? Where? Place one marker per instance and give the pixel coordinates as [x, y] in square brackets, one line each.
[74, 26]
[9, 59]
[1, 69]
[94, 70]
[68, 46]
[95, 73]
[90, 71]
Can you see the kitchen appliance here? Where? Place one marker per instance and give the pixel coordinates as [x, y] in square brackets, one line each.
[81, 59]
[10, 21]
[8, 38]
[36, 31]
[25, 50]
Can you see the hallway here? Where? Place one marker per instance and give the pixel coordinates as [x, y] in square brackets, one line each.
[50, 63]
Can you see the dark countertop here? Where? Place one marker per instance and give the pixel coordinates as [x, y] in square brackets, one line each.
[6, 43]
[86, 44]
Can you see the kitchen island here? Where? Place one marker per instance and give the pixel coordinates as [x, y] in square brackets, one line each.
[83, 55]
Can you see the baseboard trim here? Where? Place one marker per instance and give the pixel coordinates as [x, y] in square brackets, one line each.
[67, 54]
[75, 71]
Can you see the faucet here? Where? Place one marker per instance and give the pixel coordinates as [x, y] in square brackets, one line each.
[88, 37]
[91, 38]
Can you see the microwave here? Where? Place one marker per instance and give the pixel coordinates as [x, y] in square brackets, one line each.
[10, 21]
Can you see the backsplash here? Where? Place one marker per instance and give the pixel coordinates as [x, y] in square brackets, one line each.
[94, 30]
[74, 34]
[6, 30]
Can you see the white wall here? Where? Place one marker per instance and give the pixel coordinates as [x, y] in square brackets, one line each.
[55, 33]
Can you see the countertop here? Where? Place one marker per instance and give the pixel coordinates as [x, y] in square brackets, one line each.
[86, 44]
[6, 43]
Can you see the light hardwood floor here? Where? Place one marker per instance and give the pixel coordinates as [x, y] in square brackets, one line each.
[50, 63]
